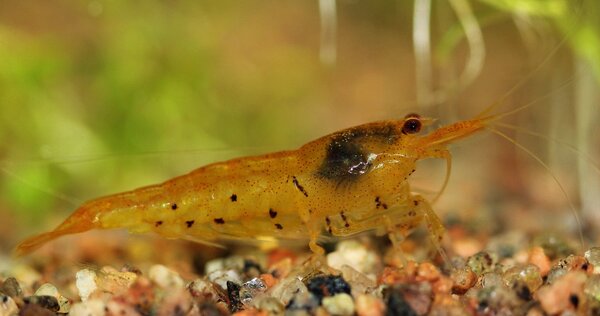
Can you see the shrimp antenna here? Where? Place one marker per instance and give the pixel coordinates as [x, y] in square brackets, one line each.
[446, 179]
[569, 146]
[52, 193]
[545, 166]
[527, 77]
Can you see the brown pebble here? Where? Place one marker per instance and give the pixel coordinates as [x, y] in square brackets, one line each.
[11, 287]
[464, 279]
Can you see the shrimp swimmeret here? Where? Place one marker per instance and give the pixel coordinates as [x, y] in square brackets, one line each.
[345, 183]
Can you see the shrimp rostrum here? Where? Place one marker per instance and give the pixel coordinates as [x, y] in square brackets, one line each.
[345, 183]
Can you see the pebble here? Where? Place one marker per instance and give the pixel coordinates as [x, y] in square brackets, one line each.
[8, 305]
[85, 280]
[480, 263]
[92, 307]
[221, 277]
[592, 287]
[529, 274]
[165, 277]
[251, 290]
[271, 306]
[539, 258]
[354, 254]
[368, 305]
[339, 304]
[286, 289]
[176, 302]
[396, 303]
[115, 281]
[464, 279]
[48, 289]
[11, 287]
[507, 244]
[554, 245]
[206, 290]
[233, 294]
[563, 293]
[35, 310]
[592, 255]
[327, 285]
[427, 272]
[360, 282]
[46, 301]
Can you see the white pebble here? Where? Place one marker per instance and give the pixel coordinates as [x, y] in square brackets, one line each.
[355, 255]
[340, 304]
[47, 289]
[90, 308]
[51, 290]
[213, 265]
[165, 277]
[85, 280]
[222, 276]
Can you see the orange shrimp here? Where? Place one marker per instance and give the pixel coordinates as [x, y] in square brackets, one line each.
[345, 183]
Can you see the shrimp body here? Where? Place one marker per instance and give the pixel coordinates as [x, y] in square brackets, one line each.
[342, 184]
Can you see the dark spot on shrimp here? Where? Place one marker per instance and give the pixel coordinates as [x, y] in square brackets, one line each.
[158, 223]
[346, 159]
[379, 204]
[412, 213]
[189, 223]
[233, 198]
[416, 203]
[174, 206]
[272, 213]
[278, 226]
[299, 186]
[219, 220]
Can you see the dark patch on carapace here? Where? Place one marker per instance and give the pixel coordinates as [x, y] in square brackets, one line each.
[345, 219]
[272, 213]
[158, 223]
[189, 223]
[346, 159]
[416, 203]
[299, 186]
[219, 220]
[278, 226]
[233, 198]
[174, 206]
[379, 204]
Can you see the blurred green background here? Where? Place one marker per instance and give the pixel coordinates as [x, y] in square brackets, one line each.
[103, 96]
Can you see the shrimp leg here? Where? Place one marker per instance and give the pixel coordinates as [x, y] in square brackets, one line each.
[433, 223]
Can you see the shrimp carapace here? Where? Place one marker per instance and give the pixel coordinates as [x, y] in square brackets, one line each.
[341, 184]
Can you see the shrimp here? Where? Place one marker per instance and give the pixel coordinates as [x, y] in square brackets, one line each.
[339, 185]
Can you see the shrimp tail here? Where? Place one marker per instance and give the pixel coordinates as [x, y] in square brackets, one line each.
[83, 219]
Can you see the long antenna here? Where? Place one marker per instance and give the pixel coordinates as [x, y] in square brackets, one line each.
[545, 166]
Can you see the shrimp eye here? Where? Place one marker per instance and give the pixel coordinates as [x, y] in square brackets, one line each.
[411, 126]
